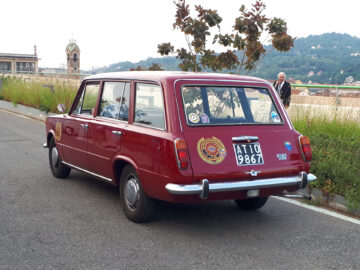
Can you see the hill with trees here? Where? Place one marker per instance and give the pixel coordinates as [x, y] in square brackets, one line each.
[326, 58]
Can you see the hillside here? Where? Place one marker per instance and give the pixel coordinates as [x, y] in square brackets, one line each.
[326, 58]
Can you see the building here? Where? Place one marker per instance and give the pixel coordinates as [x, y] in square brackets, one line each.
[13, 63]
[73, 57]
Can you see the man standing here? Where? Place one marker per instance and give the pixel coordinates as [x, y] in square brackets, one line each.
[283, 88]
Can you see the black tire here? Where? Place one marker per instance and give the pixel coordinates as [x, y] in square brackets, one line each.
[137, 206]
[251, 203]
[57, 168]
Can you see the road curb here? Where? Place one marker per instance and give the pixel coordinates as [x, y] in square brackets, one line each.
[336, 202]
[24, 110]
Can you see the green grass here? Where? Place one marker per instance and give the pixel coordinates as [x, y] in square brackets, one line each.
[336, 155]
[33, 94]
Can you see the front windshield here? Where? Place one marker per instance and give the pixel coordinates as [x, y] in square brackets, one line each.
[219, 105]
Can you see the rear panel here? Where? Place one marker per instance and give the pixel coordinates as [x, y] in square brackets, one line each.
[236, 131]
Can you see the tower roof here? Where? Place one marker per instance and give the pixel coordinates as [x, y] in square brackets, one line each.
[72, 45]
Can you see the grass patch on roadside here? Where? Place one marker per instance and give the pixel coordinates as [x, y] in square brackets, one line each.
[336, 155]
[34, 94]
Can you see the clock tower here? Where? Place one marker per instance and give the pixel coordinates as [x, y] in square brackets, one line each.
[73, 57]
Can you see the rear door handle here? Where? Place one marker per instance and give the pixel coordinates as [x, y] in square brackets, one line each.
[84, 125]
[118, 133]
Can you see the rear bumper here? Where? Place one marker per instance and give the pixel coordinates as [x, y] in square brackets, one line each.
[204, 187]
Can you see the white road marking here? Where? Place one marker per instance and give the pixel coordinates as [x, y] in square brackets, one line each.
[21, 115]
[320, 210]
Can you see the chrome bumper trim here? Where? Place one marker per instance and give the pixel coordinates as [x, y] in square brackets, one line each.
[204, 187]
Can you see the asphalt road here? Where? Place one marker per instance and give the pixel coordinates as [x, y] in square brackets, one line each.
[77, 223]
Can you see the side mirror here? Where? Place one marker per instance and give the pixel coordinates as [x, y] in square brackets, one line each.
[61, 108]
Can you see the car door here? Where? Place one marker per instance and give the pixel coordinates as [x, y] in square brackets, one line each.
[76, 124]
[106, 131]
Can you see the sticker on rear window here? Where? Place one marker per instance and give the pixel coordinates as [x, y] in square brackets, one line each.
[211, 150]
[275, 117]
[194, 118]
[205, 119]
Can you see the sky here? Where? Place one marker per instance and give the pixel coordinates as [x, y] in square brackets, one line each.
[110, 31]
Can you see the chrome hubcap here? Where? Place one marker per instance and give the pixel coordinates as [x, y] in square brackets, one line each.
[54, 157]
[132, 192]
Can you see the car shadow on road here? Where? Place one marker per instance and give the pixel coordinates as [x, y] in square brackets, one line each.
[198, 214]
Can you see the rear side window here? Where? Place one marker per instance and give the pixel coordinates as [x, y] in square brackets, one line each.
[214, 105]
[114, 101]
[149, 105]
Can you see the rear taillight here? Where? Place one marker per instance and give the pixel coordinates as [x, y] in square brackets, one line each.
[305, 148]
[182, 155]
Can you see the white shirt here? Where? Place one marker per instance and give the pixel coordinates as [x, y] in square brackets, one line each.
[280, 86]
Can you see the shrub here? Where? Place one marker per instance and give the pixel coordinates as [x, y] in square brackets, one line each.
[34, 94]
[336, 156]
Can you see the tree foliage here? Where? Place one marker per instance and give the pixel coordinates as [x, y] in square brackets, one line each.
[245, 38]
[153, 67]
[331, 57]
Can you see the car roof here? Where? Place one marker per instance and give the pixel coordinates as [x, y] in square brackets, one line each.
[162, 76]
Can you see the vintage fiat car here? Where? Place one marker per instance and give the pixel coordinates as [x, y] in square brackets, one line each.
[180, 137]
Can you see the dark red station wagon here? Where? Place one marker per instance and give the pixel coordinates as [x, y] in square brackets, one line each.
[180, 137]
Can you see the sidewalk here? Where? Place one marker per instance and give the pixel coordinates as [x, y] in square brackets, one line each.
[24, 110]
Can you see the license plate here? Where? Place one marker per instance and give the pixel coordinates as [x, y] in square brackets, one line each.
[248, 154]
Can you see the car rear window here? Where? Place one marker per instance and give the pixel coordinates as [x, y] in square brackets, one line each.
[218, 105]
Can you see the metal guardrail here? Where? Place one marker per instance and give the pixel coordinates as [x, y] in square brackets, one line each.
[326, 86]
[44, 73]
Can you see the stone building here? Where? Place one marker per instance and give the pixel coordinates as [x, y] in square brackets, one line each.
[13, 63]
[73, 57]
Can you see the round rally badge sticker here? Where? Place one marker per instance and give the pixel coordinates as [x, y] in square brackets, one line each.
[275, 117]
[58, 131]
[211, 150]
[194, 118]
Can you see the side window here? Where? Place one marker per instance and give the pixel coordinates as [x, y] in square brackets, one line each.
[115, 100]
[124, 106]
[87, 101]
[149, 105]
[110, 100]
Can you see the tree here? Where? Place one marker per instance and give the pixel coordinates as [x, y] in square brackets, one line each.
[153, 67]
[244, 39]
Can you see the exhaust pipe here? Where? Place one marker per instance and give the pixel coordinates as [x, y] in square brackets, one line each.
[294, 196]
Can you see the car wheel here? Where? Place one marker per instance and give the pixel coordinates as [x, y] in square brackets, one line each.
[57, 168]
[137, 206]
[251, 203]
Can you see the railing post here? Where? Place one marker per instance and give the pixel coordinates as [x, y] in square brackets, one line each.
[337, 100]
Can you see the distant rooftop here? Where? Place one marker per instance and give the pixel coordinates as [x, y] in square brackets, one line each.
[17, 55]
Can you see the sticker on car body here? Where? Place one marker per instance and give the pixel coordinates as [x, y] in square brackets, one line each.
[282, 156]
[211, 150]
[288, 146]
[58, 131]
